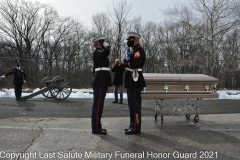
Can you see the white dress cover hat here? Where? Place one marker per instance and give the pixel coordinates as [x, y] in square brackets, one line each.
[99, 37]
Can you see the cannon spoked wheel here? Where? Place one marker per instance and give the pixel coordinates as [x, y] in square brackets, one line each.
[60, 88]
[43, 83]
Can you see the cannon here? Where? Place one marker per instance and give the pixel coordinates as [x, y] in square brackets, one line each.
[57, 87]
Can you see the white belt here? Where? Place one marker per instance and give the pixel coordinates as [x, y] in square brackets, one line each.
[102, 69]
[129, 69]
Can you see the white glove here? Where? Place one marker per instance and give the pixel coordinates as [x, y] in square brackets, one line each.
[24, 81]
[3, 76]
[131, 49]
[123, 60]
[105, 44]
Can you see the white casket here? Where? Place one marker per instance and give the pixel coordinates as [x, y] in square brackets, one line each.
[178, 86]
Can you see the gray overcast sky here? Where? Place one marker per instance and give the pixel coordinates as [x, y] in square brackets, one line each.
[150, 10]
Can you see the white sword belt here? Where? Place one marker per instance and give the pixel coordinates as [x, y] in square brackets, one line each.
[131, 70]
[102, 69]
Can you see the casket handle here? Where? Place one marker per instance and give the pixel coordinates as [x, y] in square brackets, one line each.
[165, 87]
[186, 87]
[215, 88]
[144, 89]
[206, 87]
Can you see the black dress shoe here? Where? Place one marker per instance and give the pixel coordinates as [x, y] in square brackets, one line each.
[22, 99]
[126, 129]
[100, 132]
[105, 130]
[131, 132]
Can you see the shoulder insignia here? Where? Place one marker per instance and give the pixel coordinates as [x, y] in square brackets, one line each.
[137, 54]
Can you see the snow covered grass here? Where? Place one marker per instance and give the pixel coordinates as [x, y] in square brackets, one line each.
[87, 93]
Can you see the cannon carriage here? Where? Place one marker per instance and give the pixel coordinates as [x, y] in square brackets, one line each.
[57, 87]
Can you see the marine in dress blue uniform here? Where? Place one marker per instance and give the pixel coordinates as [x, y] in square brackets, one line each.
[101, 81]
[19, 78]
[134, 81]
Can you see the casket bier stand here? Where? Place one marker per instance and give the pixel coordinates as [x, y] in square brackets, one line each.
[178, 86]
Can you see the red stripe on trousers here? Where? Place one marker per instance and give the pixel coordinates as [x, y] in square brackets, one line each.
[98, 106]
[134, 121]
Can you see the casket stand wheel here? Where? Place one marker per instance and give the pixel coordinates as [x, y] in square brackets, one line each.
[60, 88]
[188, 116]
[156, 110]
[45, 81]
[156, 115]
[196, 118]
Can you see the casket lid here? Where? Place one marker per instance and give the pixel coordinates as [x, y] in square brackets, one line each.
[163, 77]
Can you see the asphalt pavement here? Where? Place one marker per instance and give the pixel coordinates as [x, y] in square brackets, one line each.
[47, 129]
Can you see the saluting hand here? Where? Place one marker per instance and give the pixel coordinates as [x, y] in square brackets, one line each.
[105, 44]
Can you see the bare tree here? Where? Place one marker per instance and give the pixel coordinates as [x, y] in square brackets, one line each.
[23, 23]
[52, 43]
[217, 18]
[101, 23]
[119, 15]
[135, 24]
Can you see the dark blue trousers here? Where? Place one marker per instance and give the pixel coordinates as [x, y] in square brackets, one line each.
[135, 105]
[18, 91]
[99, 94]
